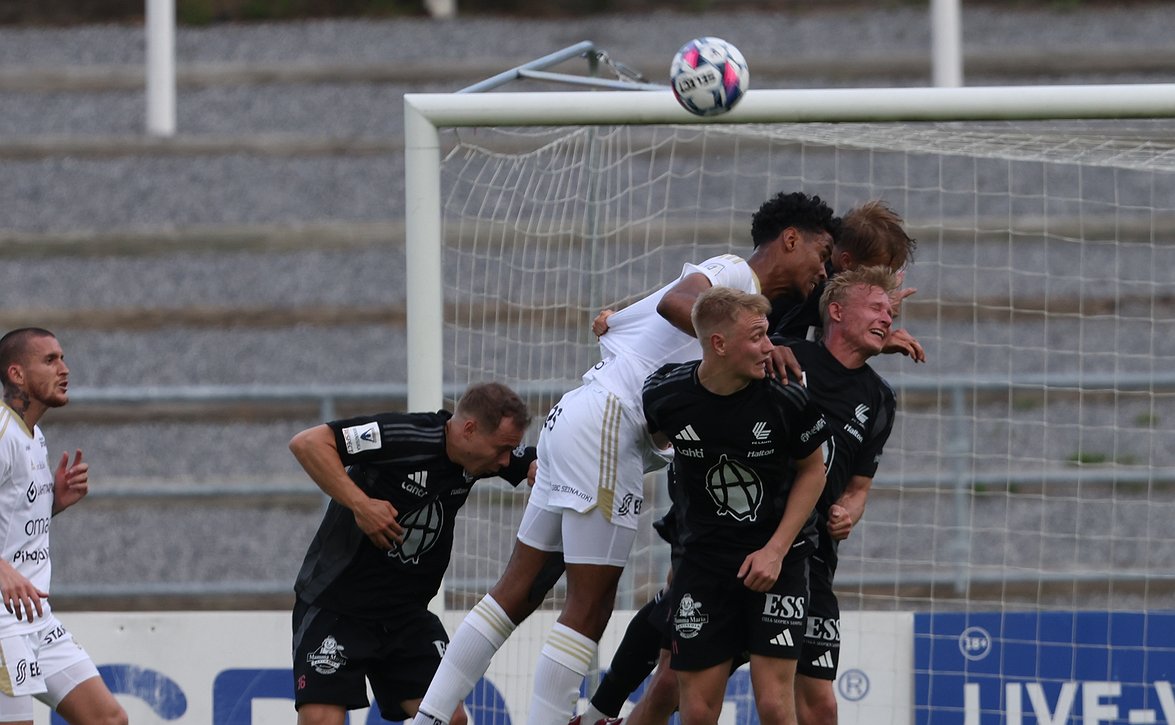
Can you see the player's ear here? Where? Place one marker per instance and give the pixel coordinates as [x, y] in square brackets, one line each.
[16, 374]
[718, 342]
[835, 311]
[789, 238]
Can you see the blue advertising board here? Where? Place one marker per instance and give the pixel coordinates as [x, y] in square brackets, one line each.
[1054, 668]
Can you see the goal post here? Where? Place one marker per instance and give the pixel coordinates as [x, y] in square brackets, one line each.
[1018, 550]
[425, 113]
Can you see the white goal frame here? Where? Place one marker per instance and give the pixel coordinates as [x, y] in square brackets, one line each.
[426, 113]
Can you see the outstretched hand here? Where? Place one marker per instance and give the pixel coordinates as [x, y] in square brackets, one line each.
[71, 481]
[902, 341]
[782, 362]
[898, 296]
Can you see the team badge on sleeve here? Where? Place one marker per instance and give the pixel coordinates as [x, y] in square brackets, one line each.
[361, 438]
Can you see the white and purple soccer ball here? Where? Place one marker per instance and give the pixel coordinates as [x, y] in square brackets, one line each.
[709, 76]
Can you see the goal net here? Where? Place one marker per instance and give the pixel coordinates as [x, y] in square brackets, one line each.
[1016, 557]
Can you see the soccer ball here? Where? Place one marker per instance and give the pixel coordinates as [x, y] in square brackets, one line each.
[709, 76]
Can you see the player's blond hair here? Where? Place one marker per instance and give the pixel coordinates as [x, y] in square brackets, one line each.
[838, 288]
[718, 307]
[874, 234]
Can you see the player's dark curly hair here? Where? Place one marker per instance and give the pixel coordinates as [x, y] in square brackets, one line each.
[795, 209]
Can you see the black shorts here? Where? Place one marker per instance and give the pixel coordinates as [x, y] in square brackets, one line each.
[715, 619]
[335, 656]
[820, 655]
[661, 617]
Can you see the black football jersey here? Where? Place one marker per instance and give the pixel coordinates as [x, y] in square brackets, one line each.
[733, 461]
[400, 458]
[859, 406]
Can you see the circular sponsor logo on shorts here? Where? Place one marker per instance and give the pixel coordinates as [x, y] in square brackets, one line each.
[689, 619]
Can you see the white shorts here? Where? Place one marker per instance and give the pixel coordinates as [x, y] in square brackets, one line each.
[584, 538]
[593, 451]
[46, 664]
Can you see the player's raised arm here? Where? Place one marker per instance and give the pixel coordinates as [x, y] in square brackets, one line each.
[678, 302]
[901, 341]
[849, 508]
[318, 455]
[71, 482]
[600, 323]
[783, 365]
[761, 568]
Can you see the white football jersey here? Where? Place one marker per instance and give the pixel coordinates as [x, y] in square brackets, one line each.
[639, 340]
[26, 507]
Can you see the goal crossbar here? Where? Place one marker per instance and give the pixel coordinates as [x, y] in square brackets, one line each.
[426, 113]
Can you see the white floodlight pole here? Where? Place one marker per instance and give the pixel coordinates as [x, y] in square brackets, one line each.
[946, 41]
[161, 67]
[441, 9]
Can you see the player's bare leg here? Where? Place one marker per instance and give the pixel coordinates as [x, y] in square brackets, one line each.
[319, 714]
[91, 703]
[815, 701]
[515, 591]
[774, 682]
[591, 595]
[702, 693]
[659, 699]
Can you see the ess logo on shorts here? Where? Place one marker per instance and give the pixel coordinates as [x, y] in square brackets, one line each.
[783, 607]
[328, 658]
[629, 504]
[22, 671]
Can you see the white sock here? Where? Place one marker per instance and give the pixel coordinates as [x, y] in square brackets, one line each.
[563, 663]
[591, 715]
[481, 634]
